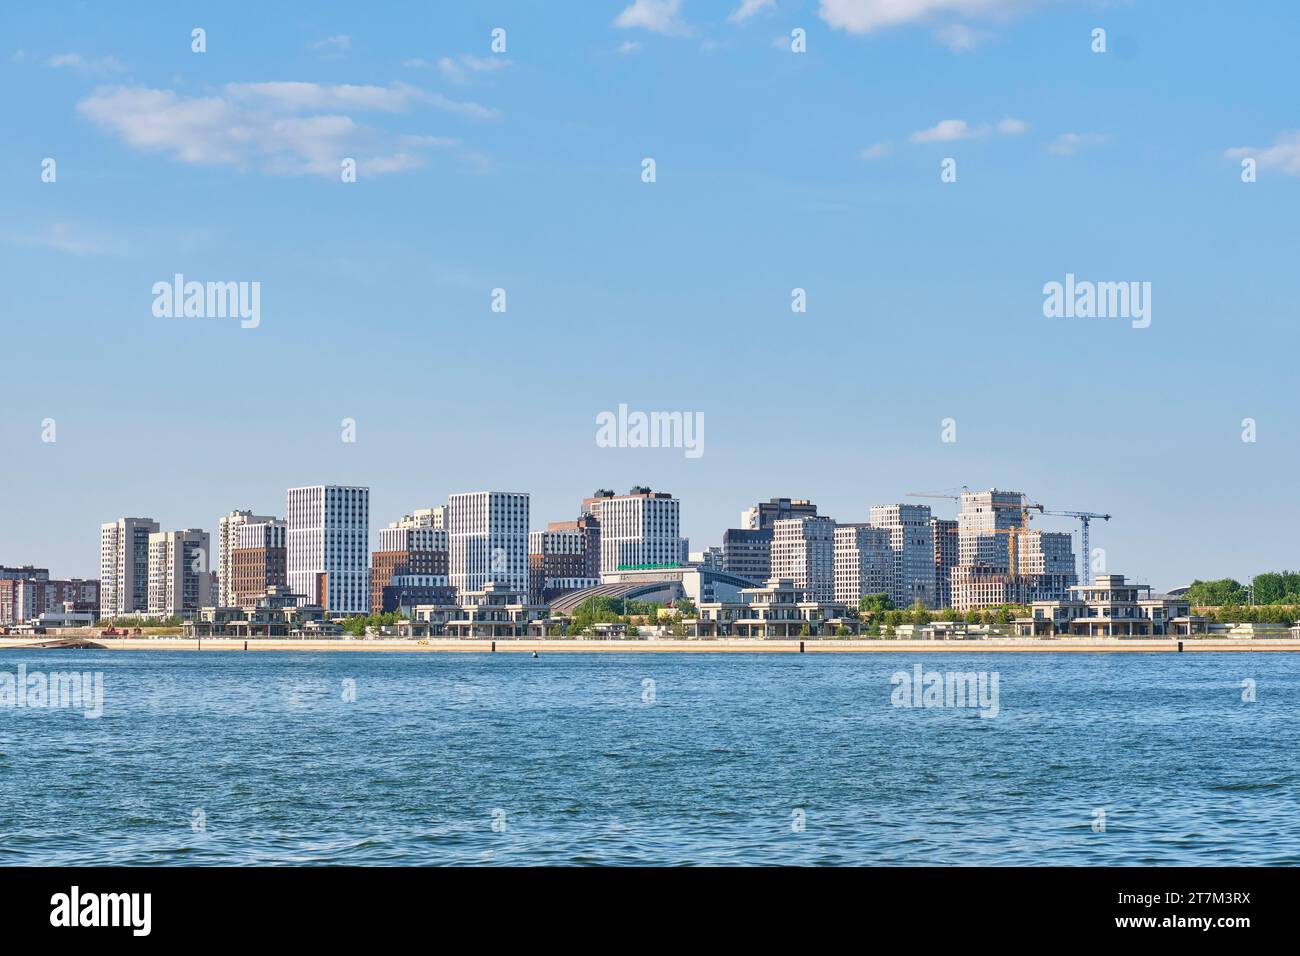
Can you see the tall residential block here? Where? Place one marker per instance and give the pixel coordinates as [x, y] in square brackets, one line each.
[642, 527]
[748, 553]
[803, 552]
[328, 534]
[227, 530]
[766, 513]
[864, 562]
[416, 553]
[945, 559]
[560, 559]
[911, 539]
[487, 537]
[124, 566]
[259, 561]
[179, 580]
[985, 523]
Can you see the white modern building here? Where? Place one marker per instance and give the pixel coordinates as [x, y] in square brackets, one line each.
[424, 518]
[803, 552]
[227, 540]
[179, 582]
[985, 524]
[864, 562]
[639, 529]
[487, 538]
[911, 538]
[398, 537]
[328, 547]
[124, 566]
[766, 513]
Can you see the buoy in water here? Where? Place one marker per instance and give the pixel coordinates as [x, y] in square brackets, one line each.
[535, 655]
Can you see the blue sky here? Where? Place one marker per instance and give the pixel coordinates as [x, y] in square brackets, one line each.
[522, 170]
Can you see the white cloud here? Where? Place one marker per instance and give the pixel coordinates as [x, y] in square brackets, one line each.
[94, 67]
[946, 131]
[261, 125]
[1283, 156]
[748, 8]
[397, 98]
[951, 130]
[627, 46]
[876, 151]
[458, 69]
[657, 16]
[1067, 144]
[960, 38]
[863, 16]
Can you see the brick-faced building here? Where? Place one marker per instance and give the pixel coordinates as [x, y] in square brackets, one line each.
[416, 554]
[258, 561]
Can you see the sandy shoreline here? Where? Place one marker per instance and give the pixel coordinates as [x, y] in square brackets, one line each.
[732, 645]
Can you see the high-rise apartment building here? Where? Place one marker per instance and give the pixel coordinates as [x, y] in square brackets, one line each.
[124, 566]
[945, 559]
[864, 562]
[748, 552]
[766, 513]
[227, 531]
[259, 560]
[559, 560]
[487, 536]
[803, 552]
[984, 527]
[912, 541]
[640, 528]
[416, 553]
[179, 580]
[328, 533]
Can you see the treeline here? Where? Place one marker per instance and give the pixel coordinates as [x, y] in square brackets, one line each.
[608, 610]
[877, 610]
[1272, 587]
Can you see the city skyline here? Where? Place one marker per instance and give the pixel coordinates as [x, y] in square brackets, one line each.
[541, 522]
[775, 171]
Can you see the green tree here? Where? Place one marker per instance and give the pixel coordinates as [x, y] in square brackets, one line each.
[873, 605]
[1217, 593]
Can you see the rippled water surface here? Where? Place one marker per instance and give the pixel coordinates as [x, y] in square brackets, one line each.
[574, 765]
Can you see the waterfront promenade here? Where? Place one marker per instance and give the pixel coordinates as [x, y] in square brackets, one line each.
[1064, 645]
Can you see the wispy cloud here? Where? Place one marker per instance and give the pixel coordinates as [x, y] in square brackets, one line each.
[460, 68]
[748, 8]
[1283, 155]
[947, 131]
[657, 16]
[277, 128]
[864, 16]
[951, 130]
[1067, 144]
[627, 46]
[876, 151]
[396, 98]
[100, 66]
